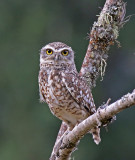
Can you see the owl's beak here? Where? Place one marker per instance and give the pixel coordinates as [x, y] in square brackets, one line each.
[57, 58]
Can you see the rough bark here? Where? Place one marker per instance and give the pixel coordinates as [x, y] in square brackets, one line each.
[104, 33]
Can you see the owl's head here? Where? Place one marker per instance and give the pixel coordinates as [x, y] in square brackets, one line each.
[56, 54]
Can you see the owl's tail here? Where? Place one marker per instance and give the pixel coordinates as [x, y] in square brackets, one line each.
[96, 135]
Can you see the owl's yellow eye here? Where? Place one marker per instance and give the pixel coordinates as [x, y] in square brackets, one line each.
[49, 51]
[65, 52]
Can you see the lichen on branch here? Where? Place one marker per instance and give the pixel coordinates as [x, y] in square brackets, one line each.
[104, 33]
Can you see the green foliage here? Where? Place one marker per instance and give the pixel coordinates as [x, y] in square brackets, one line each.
[27, 128]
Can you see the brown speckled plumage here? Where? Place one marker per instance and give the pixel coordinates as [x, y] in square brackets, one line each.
[65, 91]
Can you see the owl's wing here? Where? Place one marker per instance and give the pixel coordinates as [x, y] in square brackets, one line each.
[79, 91]
[42, 79]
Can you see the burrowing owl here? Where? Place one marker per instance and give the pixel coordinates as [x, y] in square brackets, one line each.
[60, 85]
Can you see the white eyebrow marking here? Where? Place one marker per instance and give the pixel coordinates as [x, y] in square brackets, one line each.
[56, 50]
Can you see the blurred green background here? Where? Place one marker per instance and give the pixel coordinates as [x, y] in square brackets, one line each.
[27, 128]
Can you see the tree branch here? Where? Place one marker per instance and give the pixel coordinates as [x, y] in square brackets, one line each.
[67, 144]
[104, 33]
